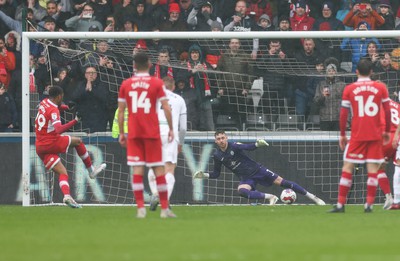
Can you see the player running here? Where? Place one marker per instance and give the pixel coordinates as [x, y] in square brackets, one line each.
[170, 150]
[49, 142]
[250, 172]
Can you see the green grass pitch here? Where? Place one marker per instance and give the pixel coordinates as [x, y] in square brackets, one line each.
[199, 233]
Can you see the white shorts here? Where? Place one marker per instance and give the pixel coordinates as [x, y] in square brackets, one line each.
[169, 150]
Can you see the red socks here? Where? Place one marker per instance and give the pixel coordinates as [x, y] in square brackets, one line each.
[83, 154]
[383, 182]
[344, 187]
[372, 184]
[63, 183]
[162, 191]
[137, 187]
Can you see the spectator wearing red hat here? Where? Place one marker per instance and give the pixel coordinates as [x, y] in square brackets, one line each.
[363, 12]
[175, 24]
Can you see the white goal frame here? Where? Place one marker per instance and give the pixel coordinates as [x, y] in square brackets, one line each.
[27, 36]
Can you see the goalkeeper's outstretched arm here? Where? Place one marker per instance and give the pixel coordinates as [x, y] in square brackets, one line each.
[212, 175]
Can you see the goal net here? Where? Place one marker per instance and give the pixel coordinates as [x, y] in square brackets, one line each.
[269, 95]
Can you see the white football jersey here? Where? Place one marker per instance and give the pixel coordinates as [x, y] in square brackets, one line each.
[178, 109]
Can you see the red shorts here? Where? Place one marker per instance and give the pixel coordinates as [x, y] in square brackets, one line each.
[49, 153]
[144, 152]
[364, 151]
[388, 151]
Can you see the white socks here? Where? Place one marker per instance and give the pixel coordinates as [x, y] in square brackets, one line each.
[169, 177]
[396, 184]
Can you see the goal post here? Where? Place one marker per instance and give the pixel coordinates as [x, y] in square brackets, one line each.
[289, 144]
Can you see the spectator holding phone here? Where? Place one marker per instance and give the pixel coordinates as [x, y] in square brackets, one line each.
[363, 12]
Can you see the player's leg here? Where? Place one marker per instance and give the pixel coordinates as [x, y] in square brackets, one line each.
[60, 169]
[153, 156]
[154, 199]
[80, 148]
[345, 183]
[247, 190]
[170, 157]
[396, 185]
[383, 183]
[372, 185]
[170, 177]
[298, 189]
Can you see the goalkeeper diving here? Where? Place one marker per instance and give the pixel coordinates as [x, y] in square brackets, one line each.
[250, 172]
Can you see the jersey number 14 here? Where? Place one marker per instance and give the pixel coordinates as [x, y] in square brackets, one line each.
[140, 101]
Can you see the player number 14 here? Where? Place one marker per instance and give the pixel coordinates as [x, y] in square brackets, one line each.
[140, 101]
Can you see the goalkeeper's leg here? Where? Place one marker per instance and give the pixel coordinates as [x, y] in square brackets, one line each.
[246, 191]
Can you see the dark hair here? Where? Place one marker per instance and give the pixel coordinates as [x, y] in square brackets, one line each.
[55, 90]
[364, 67]
[217, 132]
[141, 61]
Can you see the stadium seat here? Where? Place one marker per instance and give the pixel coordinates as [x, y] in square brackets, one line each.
[258, 122]
[226, 122]
[286, 122]
[313, 122]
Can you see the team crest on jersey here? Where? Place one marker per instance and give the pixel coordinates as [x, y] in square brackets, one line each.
[54, 116]
[232, 152]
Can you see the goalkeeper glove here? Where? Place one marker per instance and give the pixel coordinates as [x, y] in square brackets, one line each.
[201, 175]
[261, 143]
[78, 117]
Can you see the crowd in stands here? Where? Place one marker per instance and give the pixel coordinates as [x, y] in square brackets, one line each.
[213, 81]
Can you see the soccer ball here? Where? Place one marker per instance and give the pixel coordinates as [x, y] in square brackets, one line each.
[288, 196]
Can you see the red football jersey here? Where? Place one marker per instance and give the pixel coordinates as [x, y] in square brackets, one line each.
[364, 98]
[394, 116]
[48, 114]
[141, 93]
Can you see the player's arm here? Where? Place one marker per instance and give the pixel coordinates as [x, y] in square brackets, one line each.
[396, 137]
[121, 110]
[168, 115]
[344, 114]
[182, 128]
[212, 175]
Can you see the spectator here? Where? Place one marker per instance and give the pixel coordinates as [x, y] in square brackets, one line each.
[213, 48]
[201, 18]
[122, 10]
[102, 8]
[358, 46]
[288, 45]
[327, 99]
[8, 111]
[66, 82]
[276, 85]
[7, 61]
[142, 16]
[363, 12]
[13, 44]
[328, 23]
[186, 7]
[310, 59]
[77, 6]
[58, 59]
[100, 55]
[264, 24]
[162, 68]
[6, 9]
[234, 84]
[198, 78]
[257, 8]
[90, 97]
[192, 101]
[84, 20]
[54, 11]
[301, 21]
[385, 72]
[174, 24]
[347, 5]
[38, 11]
[397, 21]
[239, 22]
[372, 54]
[385, 10]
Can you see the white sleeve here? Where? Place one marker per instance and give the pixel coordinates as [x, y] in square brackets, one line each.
[182, 123]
